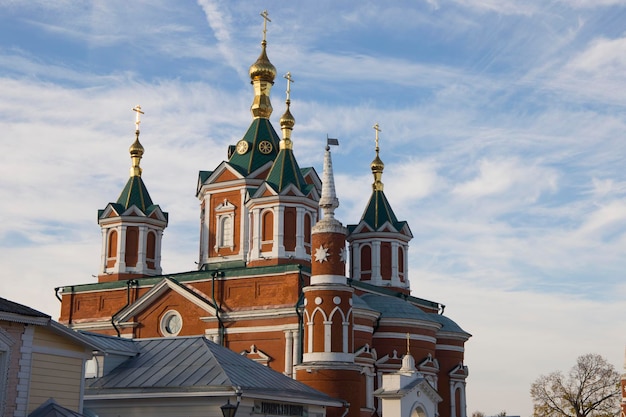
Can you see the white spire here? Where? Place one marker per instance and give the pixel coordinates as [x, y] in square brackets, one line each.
[328, 200]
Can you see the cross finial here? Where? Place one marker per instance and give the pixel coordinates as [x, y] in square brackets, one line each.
[377, 129]
[408, 343]
[266, 18]
[137, 109]
[289, 81]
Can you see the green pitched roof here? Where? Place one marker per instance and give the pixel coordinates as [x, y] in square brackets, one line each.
[378, 211]
[135, 193]
[285, 171]
[260, 130]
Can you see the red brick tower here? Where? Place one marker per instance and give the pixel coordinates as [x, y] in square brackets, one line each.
[132, 227]
[328, 360]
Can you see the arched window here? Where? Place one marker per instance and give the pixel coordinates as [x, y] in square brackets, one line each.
[289, 233]
[385, 260]
[151, 250]
[132, 245]
[226, 231]
[366, 263]
[112, 249]
[267, 231]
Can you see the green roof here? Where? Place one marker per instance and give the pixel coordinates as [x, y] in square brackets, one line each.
[285, 171]
[378, 211]
[260, 130]
[135, 193]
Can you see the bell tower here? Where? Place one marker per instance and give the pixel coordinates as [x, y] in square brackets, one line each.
[132, 227]
[328, 360]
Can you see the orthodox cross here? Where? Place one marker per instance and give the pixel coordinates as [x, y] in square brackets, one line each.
[266, 18]
[289, 81]
[137, 109]
[377, 129]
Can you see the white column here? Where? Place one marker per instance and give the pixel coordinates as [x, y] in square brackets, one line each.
[255, 250]
[105, 251]
[296, 350]
[376, 277]
[300, 250]
[355, 261]
[327, 335]
[278, 249]
[288, 353]
[244, 225]
[395, 277]
[121, 250]
[141, 250]
[157, 251]
[452, 400]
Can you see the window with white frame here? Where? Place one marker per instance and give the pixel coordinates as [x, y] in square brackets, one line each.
[225, 222]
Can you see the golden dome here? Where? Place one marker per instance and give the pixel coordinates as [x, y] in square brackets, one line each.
[136, 152]
[287, 120]
[377, 166]
[263, 69]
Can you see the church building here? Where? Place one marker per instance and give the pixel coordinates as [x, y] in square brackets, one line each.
[280, 280]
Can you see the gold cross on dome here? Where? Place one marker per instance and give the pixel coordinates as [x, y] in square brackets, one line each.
[377, 129]
[266, 18]
[289, 81]
[137, 109]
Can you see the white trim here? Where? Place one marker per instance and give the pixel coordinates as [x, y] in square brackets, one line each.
[328, 357]
[450, 348]
[23, 376]
[328, 279]
[363, 328]
[412, 336]
[260, 329]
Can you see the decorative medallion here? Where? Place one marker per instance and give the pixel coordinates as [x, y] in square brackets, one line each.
[242, 147]
[321, 254]
[265, 147]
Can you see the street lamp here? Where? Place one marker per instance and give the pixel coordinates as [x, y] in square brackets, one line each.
[228, 409]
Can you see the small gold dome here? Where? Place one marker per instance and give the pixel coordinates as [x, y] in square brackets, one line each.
[263, 69]
[136, 149]
[287, 120]
[377, 165]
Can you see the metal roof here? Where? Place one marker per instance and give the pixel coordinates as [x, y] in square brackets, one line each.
[7, 306]
[52, 409]
[192, 364]
[394, 307]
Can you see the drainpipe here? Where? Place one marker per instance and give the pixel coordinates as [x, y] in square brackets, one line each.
[56, 293]
[128, 285]
[220, 324]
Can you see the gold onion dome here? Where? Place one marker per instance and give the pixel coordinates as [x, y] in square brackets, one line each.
[136, 152]
[263, 69]
[287, 120]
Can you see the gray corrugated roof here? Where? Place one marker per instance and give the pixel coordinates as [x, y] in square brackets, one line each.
[52, 409]
[448, 325]
[394, 307]
[112, 344]
[192, 364]
[15, 308]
